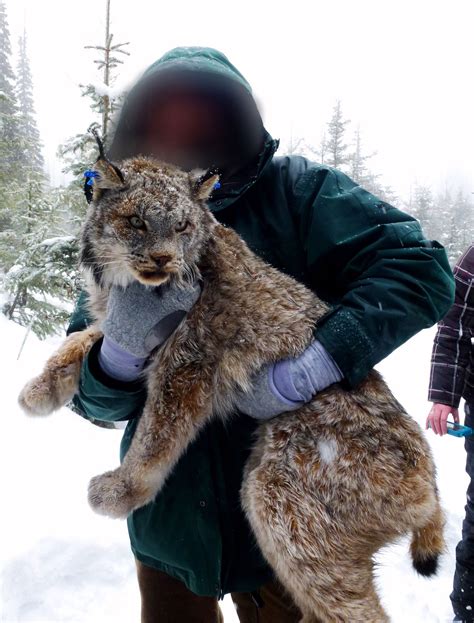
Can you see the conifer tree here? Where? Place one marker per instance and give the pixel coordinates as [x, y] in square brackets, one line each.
[80, 150]
[320, 151]
[8, 119]
[336, 149]
[29, 157]
[359, 170]
[42, 284]
[106, 102]
[37, 259]
[296, 145]
[423, 205]
[461, 230]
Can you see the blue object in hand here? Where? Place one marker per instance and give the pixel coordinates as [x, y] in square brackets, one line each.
[458, 430]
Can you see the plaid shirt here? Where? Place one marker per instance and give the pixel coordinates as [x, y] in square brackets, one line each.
[452, 360]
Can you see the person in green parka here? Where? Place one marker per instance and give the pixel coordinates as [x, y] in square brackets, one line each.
[370, 261]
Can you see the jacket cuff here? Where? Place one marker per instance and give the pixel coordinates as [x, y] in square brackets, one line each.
[344, 339]
[92, 363]
[444, 398]
[101, 397]
[119, 363]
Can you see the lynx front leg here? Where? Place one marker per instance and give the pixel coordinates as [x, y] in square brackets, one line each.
[59, 380]
[171, 419]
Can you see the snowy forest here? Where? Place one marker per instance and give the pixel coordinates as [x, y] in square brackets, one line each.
[40, 223]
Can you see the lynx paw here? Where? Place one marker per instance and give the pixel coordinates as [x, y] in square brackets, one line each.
[113, 495]
[49, 391]
[38, 397]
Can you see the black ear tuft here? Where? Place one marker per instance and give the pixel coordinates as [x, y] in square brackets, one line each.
[104, 175]
[102, 157]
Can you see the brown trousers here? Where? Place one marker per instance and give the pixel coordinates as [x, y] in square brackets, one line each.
[167, 600]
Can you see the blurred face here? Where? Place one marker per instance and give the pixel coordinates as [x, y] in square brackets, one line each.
[192, 120]
[184, 128]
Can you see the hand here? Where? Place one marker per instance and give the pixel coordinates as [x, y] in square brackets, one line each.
[438, 417]
[290, 383]
[140, 318]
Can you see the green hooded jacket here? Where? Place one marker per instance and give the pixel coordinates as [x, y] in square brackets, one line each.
[369, 260]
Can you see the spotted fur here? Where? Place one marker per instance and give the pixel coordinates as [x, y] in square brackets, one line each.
[326, 486]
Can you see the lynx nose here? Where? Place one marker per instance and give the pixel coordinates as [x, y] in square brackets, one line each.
[160, 260]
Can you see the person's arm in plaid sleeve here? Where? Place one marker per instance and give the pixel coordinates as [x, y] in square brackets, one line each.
[452, 349]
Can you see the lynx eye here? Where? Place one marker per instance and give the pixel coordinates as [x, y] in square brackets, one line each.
[136, 221]
[181, 226]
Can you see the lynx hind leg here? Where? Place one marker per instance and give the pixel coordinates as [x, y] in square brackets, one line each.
[60, 377]
[325, 581]
[319, 563]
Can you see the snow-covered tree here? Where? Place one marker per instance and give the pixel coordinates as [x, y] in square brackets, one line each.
[39, 249]
[336, 149]
[423, 205]
[459, 226]
[319, 152]
[295, 146]
[78, 152]
[29, 158]
[438, 225]
[21, 174]
[10, 195]
[23, 209]
[359, 170]
[104, 99]
[8, 109]
[38, 258]
[42, 284]
[81, 150]
[42, 281]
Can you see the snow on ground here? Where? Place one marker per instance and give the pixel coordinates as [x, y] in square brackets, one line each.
[61, 562]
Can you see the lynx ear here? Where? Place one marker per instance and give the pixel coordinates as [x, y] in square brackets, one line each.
[203, 183]
[104, 175]
[109, 175]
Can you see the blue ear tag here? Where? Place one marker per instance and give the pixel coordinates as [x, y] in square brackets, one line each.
[217, 185]
[90, 175]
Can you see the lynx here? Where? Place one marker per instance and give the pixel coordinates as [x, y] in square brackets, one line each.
[326, 486]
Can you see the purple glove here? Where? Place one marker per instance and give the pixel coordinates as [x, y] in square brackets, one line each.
[290, 383]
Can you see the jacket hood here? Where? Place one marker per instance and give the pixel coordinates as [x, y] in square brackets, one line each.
[202, 68]
[197, 59]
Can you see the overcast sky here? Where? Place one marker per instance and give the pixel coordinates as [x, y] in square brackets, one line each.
[403, 69]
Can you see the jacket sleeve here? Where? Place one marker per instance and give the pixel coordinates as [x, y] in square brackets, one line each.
[451, 356]
[99, 396]
[373, 264]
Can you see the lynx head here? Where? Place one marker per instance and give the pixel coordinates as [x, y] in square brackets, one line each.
[148, 221]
